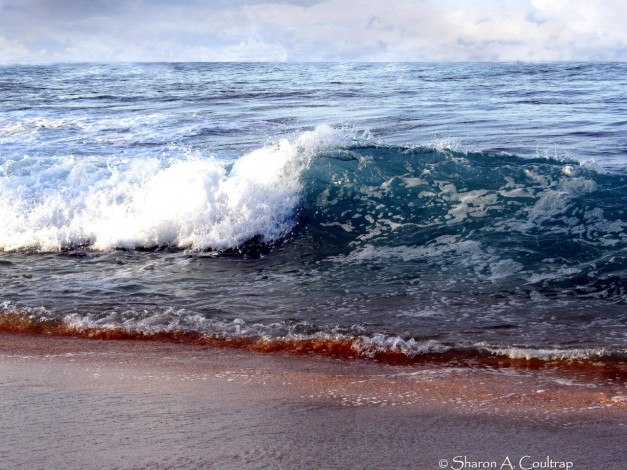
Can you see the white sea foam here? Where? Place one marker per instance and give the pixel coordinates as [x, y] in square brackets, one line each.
[441, 246]
[378, 344]
[546, 354]
[54, 203]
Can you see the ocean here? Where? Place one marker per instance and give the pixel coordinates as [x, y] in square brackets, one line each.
[466, 213]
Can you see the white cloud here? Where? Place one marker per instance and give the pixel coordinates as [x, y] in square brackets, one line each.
[338, 30]
[12, 51]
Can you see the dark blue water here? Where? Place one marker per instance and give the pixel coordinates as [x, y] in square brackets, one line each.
[410, 207]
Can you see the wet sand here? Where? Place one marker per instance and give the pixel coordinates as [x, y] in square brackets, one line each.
[71, 403]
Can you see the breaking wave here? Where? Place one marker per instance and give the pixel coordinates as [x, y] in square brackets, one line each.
[56, 203]
[538, 222]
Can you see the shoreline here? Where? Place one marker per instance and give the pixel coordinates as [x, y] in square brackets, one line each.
[81, 403]
[587, 364]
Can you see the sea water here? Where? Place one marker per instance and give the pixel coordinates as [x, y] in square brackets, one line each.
[404, 209]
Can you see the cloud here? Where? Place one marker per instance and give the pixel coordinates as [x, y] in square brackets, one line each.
[12, 51]
[310, 30]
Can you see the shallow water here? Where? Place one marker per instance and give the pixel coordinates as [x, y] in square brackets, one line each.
[141, 404]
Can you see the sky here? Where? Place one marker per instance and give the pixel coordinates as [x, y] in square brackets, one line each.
[35, 31]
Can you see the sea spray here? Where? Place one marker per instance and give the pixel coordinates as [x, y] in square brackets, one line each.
[49, 204]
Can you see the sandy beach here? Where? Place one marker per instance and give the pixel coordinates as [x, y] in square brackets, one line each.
[80, 403]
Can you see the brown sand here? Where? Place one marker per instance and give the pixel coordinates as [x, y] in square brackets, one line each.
[75, 403]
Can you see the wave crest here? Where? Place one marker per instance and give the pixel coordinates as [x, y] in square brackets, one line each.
[63, 202]
[501, 219]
